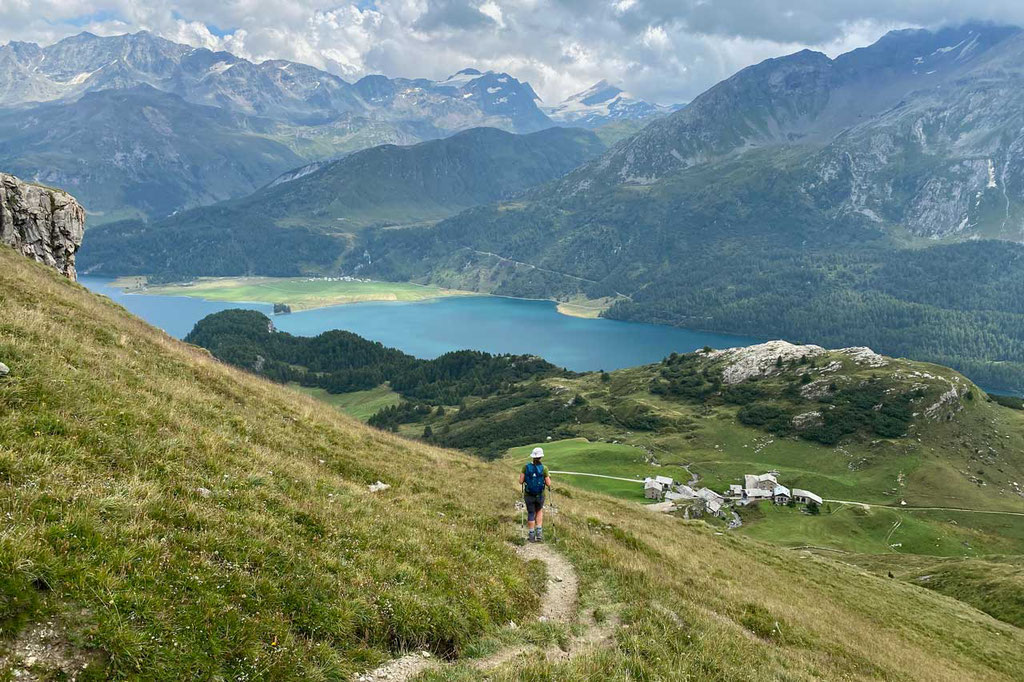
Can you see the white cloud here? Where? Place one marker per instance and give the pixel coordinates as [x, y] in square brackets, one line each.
[665, 50]
[493, 10]
[656, 37]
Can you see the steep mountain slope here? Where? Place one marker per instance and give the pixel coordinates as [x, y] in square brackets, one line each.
[431, 180]
[601, 104]
[781, 202]
[140, 151]
[384, 185]
[807, 98]
[175, 518]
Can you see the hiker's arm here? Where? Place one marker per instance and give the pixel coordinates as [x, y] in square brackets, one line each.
[522, 479]
[547, 481]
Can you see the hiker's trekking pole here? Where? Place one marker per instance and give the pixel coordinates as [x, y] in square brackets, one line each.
[522, 513]
[554, 512]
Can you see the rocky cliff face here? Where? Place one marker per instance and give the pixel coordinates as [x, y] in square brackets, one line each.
[42, 223]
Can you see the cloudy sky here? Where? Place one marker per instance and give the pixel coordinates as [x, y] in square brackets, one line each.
[663, 50]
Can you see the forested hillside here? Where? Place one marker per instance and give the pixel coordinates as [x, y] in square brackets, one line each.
[342, 362]
[306, 223]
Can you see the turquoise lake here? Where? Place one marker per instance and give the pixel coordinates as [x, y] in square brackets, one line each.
[432, 328]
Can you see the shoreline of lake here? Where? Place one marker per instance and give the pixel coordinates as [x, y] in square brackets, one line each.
[493, 324]
[298, 293]
[138, 284]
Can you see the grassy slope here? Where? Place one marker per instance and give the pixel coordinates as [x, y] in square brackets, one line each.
[359, 404]
[291, 569]
[993, 584]
[300, 293]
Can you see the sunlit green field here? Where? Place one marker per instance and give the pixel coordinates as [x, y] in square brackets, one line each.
[360, 404]
[882, 530]
[301, 293]
[606, 459]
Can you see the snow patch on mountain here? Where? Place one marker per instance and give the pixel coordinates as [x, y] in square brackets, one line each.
[602, 103]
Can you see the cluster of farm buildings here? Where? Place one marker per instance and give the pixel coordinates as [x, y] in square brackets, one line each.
[755, 488]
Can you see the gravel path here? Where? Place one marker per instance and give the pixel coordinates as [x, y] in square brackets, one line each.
[404, 668]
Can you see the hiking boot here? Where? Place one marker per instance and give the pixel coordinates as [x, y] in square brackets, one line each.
[540, 535]
[531, 537]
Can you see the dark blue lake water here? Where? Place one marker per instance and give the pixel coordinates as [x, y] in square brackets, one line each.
[428, 329]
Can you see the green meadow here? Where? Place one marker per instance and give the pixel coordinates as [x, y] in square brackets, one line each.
[300, 293]
[359, 404]
[604, 459]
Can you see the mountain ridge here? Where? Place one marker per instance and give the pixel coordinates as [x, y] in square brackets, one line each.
[387, 185]
[277, 89]
[141, 151]
[287, 113]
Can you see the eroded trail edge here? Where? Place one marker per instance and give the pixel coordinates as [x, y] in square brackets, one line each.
[558, 605]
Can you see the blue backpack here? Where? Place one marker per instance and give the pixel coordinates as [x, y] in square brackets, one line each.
[534, 478]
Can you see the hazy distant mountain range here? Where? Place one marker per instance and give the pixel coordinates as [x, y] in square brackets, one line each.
[189, 126]
[278, 90]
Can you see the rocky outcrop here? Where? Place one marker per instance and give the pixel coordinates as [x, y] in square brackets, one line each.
[766, 359]
[864, 356]
[760, 360]
[42, 223]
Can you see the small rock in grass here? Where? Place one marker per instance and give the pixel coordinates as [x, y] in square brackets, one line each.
[4, 370]
[378, 486]
[204, 492]
[425, 654]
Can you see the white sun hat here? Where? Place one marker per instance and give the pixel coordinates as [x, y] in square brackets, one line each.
[537, 453]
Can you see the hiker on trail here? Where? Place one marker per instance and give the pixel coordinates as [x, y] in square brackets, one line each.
[534, 480]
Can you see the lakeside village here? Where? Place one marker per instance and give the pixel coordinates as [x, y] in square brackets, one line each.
[702, 501]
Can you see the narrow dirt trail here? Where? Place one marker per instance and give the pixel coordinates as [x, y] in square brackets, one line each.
[558, 605]
[559, 601]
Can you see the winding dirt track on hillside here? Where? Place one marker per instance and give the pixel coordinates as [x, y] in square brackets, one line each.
[558, 605]
[869, 505]
[613, 478]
